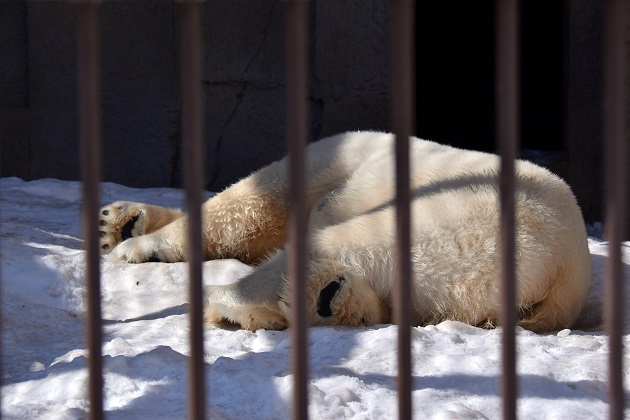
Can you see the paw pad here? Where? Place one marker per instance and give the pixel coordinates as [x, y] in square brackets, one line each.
[119, 221]
[127, 229]
[325, 297]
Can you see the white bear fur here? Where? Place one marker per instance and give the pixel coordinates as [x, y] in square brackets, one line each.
[350, 197]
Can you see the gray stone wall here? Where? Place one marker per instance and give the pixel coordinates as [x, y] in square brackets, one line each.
[14, 97]
[585, 104]
[585, 170]
[243, 83]
[244, 78]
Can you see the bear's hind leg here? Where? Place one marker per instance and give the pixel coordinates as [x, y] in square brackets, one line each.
[253, 301]
[122, 220]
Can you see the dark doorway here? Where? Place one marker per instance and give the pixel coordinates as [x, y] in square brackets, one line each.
[455, 73]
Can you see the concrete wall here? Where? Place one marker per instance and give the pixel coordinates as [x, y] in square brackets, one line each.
[585, 104]
[14, 95]
[243, 83]
[244, 78]
[585, 170]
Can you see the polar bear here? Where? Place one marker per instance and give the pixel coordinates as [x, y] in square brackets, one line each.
[351, 239]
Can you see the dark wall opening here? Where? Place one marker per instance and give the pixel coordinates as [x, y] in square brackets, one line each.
[455, 76]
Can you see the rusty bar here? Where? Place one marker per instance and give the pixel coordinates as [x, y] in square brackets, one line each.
[89, 97]
[402, 122]
[507, 114]
[297, 112]
[615, 153]
[192, 133]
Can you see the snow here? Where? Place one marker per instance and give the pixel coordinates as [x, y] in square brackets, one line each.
[456, 367]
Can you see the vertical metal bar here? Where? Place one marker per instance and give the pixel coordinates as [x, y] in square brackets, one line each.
[192, 132]
[615, 153]
[296, 45]
[507, 113]
[88, 50]
[402, 123]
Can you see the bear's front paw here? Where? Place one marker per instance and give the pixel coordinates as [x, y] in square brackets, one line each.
[118, 222]
[144, 248]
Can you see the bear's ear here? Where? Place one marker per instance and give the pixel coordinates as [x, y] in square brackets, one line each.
[326, 296]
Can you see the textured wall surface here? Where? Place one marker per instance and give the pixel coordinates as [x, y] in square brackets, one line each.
[585, 104]
[14, 113]
[244, 87]
[585, 131]
[243, 83]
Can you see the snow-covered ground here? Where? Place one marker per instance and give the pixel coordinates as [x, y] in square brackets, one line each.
[456, 367]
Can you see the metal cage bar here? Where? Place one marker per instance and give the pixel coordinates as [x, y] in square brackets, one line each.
[615, 193]
[507, 129]
[402, 116]
[192, 132]
[297, 114]
[89, 92]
